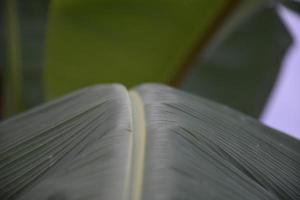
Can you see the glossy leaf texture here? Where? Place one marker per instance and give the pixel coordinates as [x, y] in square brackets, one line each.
[83, 146]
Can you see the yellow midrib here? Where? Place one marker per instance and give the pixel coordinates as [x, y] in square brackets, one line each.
[134, 185]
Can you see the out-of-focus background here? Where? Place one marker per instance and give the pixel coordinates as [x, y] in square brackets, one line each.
[242, 53]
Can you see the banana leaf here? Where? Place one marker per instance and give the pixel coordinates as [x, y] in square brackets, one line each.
[152, 142]
[241, 65]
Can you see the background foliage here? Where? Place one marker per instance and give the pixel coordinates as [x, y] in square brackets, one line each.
[229, 51]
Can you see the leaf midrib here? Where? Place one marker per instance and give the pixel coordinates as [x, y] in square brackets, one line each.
[135, 174]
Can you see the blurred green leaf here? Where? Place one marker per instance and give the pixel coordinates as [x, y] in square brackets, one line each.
[33, 24]
[22, 48]
[2, 57]
[13, 98]
[241, 66]
[129, 41]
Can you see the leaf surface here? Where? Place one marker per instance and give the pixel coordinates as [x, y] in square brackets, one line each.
[153, 142]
